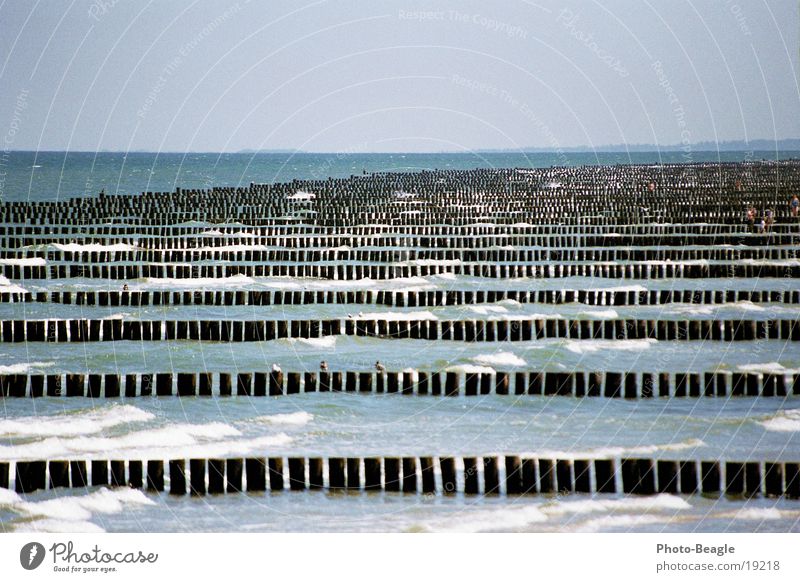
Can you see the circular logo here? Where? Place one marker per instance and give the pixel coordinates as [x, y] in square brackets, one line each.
[31, 555]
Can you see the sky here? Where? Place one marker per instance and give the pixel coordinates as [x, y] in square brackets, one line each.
[407, 76]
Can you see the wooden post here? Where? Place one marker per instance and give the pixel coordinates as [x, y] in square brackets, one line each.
[155, 475]
[297, 473]
[177, 477]
[447, 466]
[216, 476]
[513, 475]
[428, 480]
[275, 465]
[604, 476]
[471, 486]
[59, 474]
[256, 470]
[336, 472]
[709, 477]
[409, 474]
[197, 476]
[30, 476]
[391, 470]
[491, 480]
[372, 474]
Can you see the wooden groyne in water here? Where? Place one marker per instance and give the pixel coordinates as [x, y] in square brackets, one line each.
[476, 475]
[473, 330]
[578, 384]
[479, 237]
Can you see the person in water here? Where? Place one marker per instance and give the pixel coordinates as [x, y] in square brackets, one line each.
[794, 206]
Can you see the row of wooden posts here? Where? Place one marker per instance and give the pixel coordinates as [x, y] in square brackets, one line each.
[488, 475]
[382, 255]
[473, 330]
[534, 383]
[405, 298]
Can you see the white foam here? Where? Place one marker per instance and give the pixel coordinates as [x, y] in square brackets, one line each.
[487, 309]
[618, 521]
[57, 526]
[8, 497]
[301, 195]
[748, 306]
[470, 369]
[623, 288]
[299, 418]
[500, 359]
[592, 346]
[398, 316]
[758, 513]
[24, 368]
[783, 421]
[767, 368]
[82, 423]
[510, 303]
[81, 508]
[328, 341]
[600, 314]
[200, 283]
[30, 261]
[606, 452]
[91, 247]
[504, 518]
[660, 502]
[130, 445]
[690, 309]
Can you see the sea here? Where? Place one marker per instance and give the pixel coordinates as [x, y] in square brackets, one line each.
[353, 424]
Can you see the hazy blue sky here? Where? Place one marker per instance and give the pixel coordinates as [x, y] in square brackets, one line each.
[394, 76]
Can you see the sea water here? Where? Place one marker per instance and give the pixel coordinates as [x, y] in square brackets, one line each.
[352, 424]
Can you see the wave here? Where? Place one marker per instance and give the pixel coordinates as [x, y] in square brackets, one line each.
[24, 368]
[470, 369]
[599, 314]
[329, 341]
[82, 423]
[487, 309]
[660, 502]
[81, 508]
[91, 247]
[500, 359]
[505, 518]
[200, 283]
[767, 368]
[298, 418]
[398, 316]
[30, 261]
[607, 522]
[783, 421]
[593, 346]
[609, 452]
[757, 513]
[57, 526]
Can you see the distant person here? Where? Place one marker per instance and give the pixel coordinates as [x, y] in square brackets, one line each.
[125, 287]
[380, 367]
[750, 218]
[769, 219]
[323, 366]
[794, 206]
